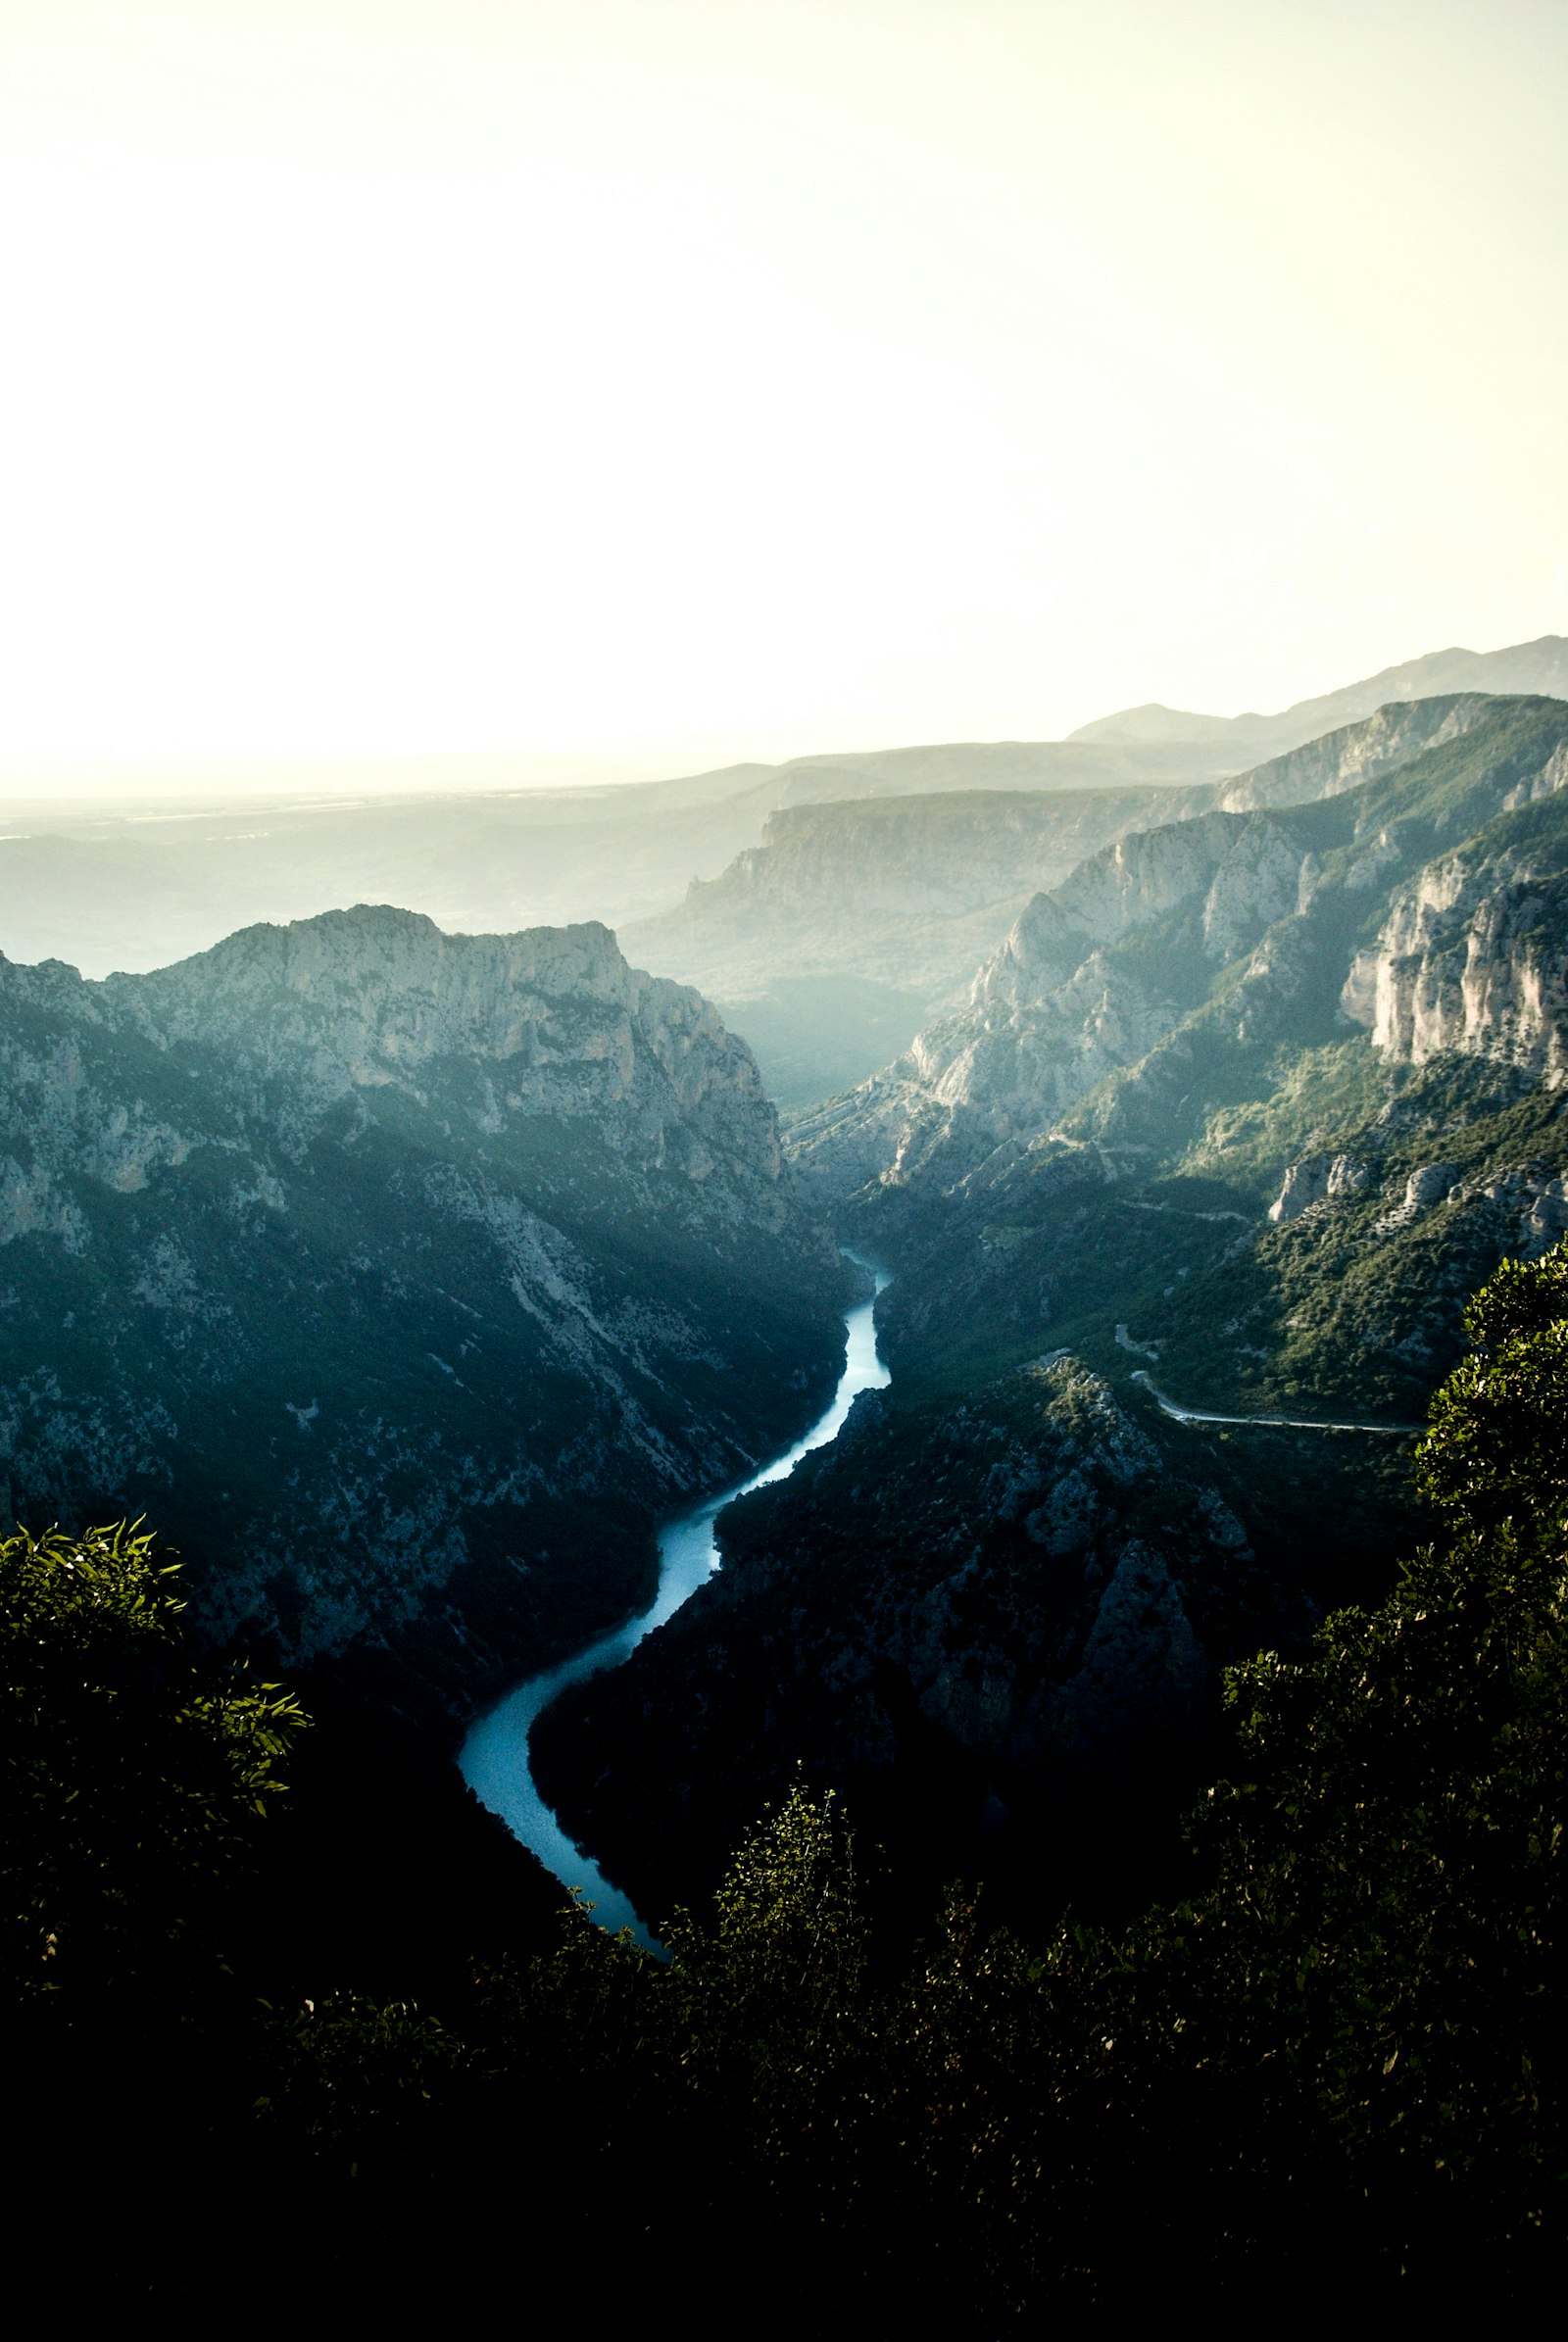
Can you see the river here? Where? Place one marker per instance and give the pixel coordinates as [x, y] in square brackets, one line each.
[494, 1760]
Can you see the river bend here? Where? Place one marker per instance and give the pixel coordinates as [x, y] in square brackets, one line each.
[494, 1760]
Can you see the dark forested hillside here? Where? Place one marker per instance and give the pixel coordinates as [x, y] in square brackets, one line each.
[995, 1624]
[1328, 2059]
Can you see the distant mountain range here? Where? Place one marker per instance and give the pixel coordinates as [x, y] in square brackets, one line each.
[855, 924]
[107, 887]
[1541, 667]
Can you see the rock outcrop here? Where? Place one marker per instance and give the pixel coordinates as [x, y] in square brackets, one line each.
[1317, 1179]
[851, 914]
[1248, 922]
[1358, 751]
[1473, 957]
[402, 1278]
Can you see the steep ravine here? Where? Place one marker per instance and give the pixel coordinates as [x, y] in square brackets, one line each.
[1261, 1097]
[403, 1280]
[996, 1626]
[496, 1758]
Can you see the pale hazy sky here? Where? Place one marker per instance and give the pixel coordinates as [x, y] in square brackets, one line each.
[690, 379]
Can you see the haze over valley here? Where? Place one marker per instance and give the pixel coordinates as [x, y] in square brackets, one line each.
[827, 937]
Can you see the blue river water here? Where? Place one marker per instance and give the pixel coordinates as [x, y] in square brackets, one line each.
[494, 1760]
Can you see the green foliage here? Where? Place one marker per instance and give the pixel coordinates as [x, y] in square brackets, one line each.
[1337, 2065]
[1309, 1102]
[788, 1930]
[1377, 1959]
[1497, 1451]
[768, 1998]
[349, 2075]
[135, 1773]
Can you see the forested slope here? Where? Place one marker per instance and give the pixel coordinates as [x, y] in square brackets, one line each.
[1329, 2065]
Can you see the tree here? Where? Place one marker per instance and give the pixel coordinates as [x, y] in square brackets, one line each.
[135, 1770]
[1370, 1988]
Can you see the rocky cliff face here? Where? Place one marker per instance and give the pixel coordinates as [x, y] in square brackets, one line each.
[402, 1277]
[880, 903]
[933, 857]
[1277, 1151]
[1473, 956]
[1058, 1007]
[859, 921]
[1251, 918]
[1359, 751]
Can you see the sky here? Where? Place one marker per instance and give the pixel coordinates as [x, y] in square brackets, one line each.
[632, 386]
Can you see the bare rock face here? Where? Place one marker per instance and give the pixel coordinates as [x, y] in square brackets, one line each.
[934, 858]
[857, 924]
[1250, 924]
[555, 1019]
[1056, 1009]
[1356, 753]
[1317, 1179]
[1534, 1203]
[402, 1278]
[1473, 958]
[853, 924]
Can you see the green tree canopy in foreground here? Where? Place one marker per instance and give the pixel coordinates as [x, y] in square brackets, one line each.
[134, 1769]
[1337, 2065]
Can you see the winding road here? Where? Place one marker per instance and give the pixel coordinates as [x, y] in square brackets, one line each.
[1277, 1423]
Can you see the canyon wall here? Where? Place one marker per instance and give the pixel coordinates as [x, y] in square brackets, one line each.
[403, 1278]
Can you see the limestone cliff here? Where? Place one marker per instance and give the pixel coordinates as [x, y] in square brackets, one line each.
[855, 922]
[404, 1278]
[1251, 921]
[1473, 957]
[1057, 1008]
[1355, 753]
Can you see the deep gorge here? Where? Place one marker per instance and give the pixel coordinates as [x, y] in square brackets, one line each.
[495, 1760]
[409, 1281]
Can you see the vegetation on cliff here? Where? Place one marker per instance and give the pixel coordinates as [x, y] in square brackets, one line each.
[1335, 2058]
[995, 1623]
[405, 1278]
[1270, 1091]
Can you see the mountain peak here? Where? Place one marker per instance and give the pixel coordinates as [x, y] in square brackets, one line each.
[1537, 667]
[1153, 722]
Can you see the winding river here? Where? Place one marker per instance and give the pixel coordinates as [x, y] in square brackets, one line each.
[494, 1759]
